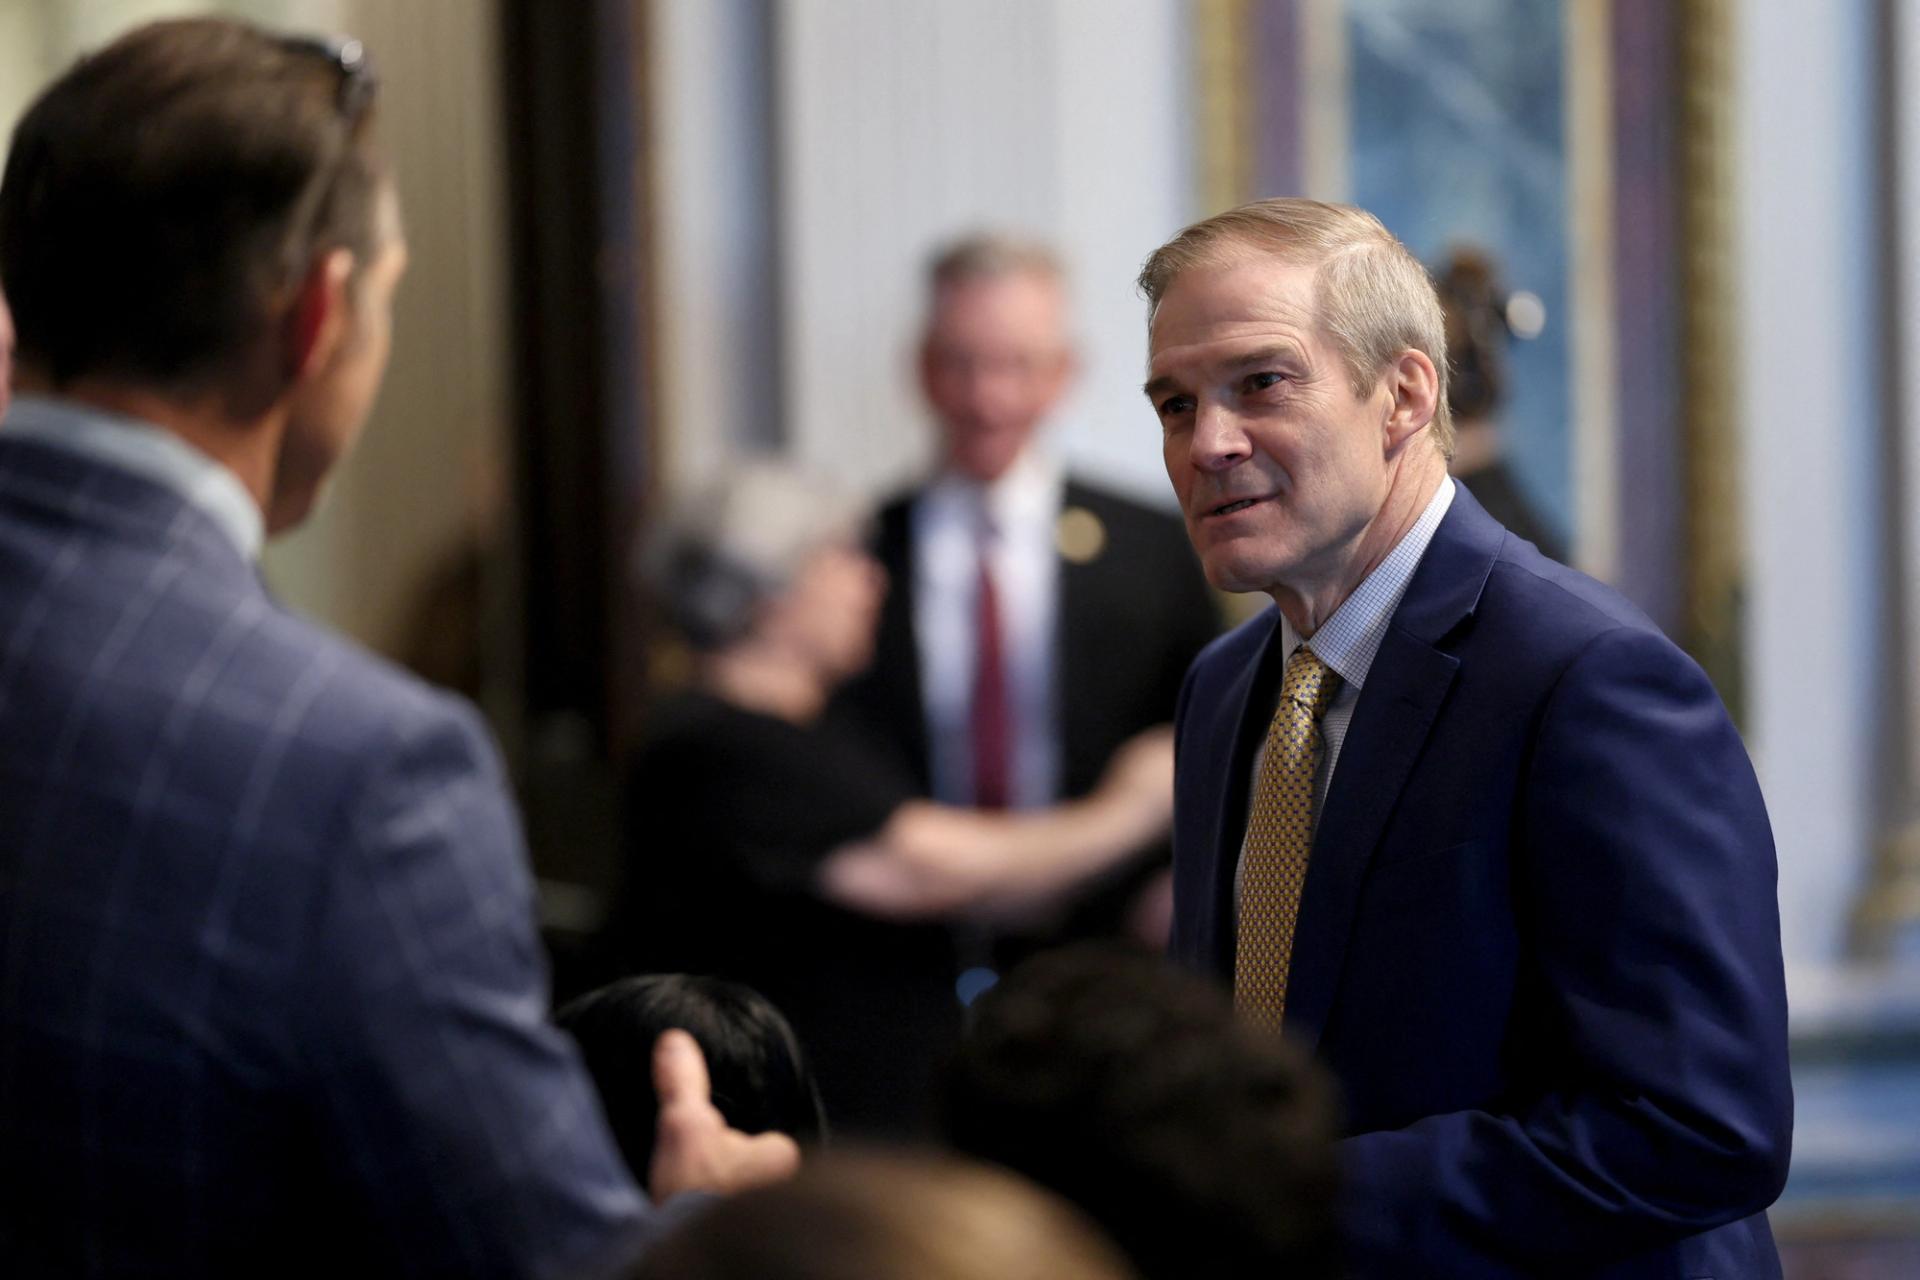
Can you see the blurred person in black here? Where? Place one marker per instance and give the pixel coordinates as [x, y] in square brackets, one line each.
[1479, 316]
[872, 1216]
[775, 847]
[758, 1071]
[1036, 622]
[1201, 1145]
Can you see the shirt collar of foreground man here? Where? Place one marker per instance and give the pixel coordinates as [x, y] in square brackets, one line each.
[1532, 924]
[159, 456]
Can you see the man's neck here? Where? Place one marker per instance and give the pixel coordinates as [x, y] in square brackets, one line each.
[1308, 605]
[247, 448]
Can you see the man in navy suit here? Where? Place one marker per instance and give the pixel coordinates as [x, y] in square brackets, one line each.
[1498, 854]
[271, 999]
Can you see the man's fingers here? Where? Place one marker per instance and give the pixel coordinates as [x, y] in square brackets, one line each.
[680, 1071]
[764, 1158]
[696, 1151]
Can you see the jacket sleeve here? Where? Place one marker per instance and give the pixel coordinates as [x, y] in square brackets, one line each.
[452, 1107]
[1646, 889]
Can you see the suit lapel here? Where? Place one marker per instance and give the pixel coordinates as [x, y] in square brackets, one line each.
[1082, 681]
[1405, 689]
[894, 675]
[1246, 711]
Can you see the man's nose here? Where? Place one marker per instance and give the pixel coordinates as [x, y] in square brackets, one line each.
[992, 394]
[1219, 442]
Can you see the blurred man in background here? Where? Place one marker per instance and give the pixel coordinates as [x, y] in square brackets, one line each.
[1035, 622]
[271, 1001]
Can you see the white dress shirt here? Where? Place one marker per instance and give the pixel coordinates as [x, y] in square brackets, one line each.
[150, 452]
[1348, 642]
[1022, 508]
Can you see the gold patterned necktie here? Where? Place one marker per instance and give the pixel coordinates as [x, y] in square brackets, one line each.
[1279, 838]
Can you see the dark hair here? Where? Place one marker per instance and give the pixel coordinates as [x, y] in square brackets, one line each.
[761, 1080]
[870, 1216]
[1474, 305]
[162, 192]
[1202, 1146]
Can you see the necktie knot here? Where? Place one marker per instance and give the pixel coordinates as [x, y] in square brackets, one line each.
[1309, 682]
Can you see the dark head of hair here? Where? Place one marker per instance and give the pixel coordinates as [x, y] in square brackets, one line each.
[169, 189]
[1133, 1090]
[761, 1080]
[888, 1217]
[1473, 302]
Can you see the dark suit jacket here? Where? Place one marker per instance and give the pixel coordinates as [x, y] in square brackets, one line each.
[1539, 942]
[271, 1000]
[1130, 621]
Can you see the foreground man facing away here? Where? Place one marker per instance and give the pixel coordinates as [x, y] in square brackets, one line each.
[271, 1001]
[1457, 817]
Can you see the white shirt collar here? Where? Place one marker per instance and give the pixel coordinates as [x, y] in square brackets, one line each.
[150, 452]
[1028, 493]
[1349, 640]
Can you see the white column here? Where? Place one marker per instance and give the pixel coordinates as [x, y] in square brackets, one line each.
[906, 122]
[1809, 322]
[715, 298]
[434, 447]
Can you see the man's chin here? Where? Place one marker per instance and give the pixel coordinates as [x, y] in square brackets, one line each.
[986, 465]
[1234, 573]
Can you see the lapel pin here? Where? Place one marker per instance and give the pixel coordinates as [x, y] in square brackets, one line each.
[1080, 535]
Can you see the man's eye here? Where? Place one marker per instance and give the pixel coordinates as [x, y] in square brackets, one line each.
[1174, 405]
[1262, 381]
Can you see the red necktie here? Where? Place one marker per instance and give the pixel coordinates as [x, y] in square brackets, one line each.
[990, 722]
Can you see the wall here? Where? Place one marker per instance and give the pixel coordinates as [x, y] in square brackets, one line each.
[897, 126]
[1813, 415]
[427, 459]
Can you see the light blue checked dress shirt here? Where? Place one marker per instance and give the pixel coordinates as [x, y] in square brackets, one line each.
[1348, 641]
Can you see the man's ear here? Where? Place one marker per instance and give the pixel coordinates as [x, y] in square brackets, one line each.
[1415, 386]
[317, 322]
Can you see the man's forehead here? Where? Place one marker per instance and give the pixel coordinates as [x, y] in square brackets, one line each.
[1008, 308]
[1026, 292]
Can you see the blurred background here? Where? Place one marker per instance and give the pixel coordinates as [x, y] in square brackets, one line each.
[650, 234]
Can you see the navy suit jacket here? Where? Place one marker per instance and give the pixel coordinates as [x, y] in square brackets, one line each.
[271, 999]
[1539, 939]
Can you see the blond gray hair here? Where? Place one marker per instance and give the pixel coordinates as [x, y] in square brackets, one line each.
[1371, 295]
[736, 542]
[991, 255]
